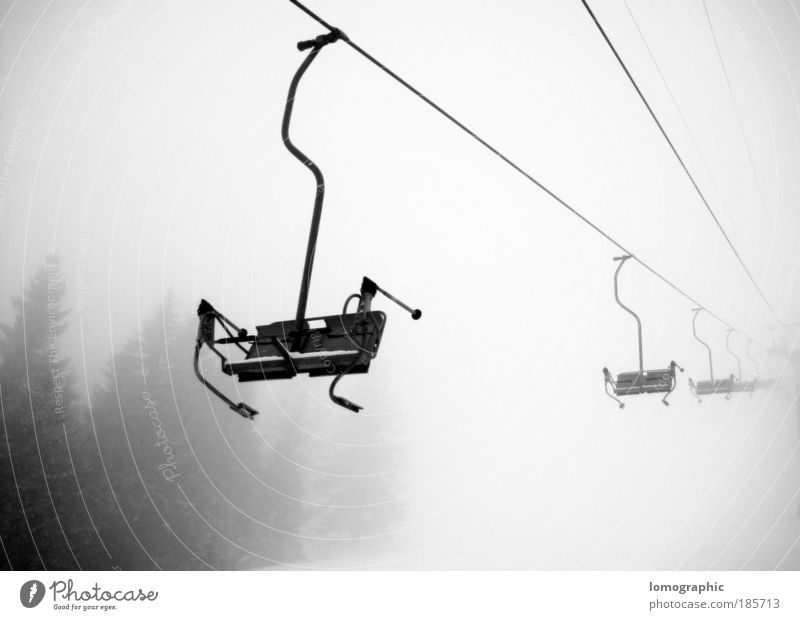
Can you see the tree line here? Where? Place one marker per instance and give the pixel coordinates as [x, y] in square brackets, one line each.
[139, 470]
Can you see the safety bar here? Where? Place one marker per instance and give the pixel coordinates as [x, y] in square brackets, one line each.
[609, 380]
[368, 284]
[673, 380]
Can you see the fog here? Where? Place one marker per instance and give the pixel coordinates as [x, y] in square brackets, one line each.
[141, 145]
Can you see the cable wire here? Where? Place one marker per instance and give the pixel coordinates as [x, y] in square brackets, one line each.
[746, 142]
[673, 99]
[515, 166]
[680, 160]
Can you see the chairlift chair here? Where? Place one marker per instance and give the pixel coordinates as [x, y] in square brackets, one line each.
[740, 385]
[758, 382]
[711, 385]
[328, 346]
[783, 350]
[661, 381]
[779, 350]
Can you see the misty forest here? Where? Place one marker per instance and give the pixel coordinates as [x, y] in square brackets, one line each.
[141, 474]
[140, 470]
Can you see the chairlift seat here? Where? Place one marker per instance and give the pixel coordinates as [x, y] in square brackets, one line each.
[717, 386]
[327, 345]
[745, 386]
[661, 381]
[335, 346]
[647, 382]
[726, 386]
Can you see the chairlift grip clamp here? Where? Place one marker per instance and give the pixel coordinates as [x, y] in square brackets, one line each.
[322, 40]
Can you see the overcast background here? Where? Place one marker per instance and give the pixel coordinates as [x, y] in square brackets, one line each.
[142, 145]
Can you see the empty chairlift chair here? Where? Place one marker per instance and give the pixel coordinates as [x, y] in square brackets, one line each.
[781, 352]
[659, 381]
[759, 383]
[711, 385]
[328, 346]
[738, 384]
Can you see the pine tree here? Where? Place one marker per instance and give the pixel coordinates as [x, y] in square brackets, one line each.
[177, 462]
[43, 524]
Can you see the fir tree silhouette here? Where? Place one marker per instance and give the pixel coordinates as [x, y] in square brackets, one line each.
[43, 524]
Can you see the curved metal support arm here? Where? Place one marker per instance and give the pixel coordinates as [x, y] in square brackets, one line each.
[320, 191]
[622, 260]
[738, 359]
[705, 344]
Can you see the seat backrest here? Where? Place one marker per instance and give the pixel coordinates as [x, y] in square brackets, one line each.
[356, 333]
[648, 378]
[629, 379]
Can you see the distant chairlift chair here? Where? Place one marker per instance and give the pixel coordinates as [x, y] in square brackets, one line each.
[662, 381]
[739, 385]
[711, 385]
[327, 346]
[781, 352]
[760, 384]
